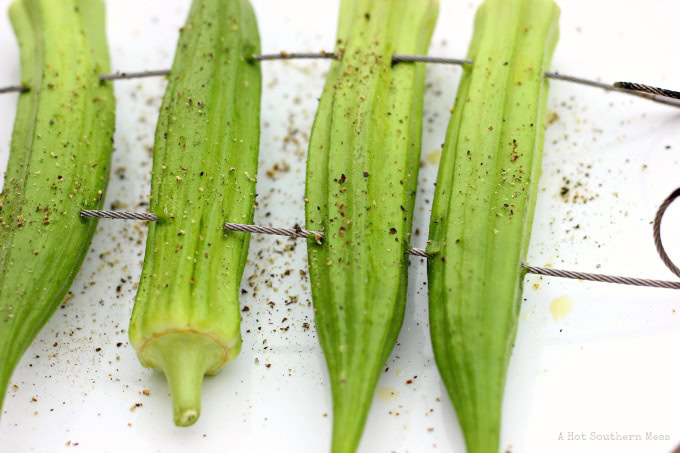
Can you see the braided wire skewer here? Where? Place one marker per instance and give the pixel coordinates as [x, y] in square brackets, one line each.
[298, 232]
[642, 88]
[660, 95]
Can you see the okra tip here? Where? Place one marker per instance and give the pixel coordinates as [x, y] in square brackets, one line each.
[187, 417]
[5, 374]
[184, 357]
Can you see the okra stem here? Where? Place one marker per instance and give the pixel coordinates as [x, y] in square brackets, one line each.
[186, 317]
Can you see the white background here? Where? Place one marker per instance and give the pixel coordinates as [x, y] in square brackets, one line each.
[610, 364]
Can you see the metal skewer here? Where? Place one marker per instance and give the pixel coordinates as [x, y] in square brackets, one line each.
[13, 89]
[134, 75]
[318, 236]
[660, 95]
[639, 87]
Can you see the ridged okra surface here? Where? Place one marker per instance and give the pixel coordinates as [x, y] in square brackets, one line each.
[362, 171]
[186, 316]
[58, 164]
[483, 208]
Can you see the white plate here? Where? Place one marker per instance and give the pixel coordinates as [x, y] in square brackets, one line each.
[609, 365]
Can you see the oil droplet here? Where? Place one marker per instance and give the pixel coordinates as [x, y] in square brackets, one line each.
[561, 307]
[386, 394]
[434, 157]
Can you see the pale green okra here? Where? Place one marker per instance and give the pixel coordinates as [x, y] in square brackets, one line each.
[362, 172]
[186, 316]
[58, 164]
[483, 208]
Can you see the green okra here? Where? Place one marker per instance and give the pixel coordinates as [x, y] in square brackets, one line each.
[58, 164]
[186, 316]
[483, 208]
[361, 179]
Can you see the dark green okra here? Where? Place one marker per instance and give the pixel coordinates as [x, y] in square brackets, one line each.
[186, 316]
[361, 179]
[483, 208]
[58, 164]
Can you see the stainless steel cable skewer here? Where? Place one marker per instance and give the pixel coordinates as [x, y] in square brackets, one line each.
[13, 89]
[429, 59]
[134, 75]
[118, 215]
[298, 232]
[662, 99]
[295, 55]
[660, 95]
[631, 86]
[657, 232]
[632, 281]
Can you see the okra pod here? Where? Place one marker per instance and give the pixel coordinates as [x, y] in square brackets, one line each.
[58, 164]
[186, 317]
[361, 179]
[483, 208]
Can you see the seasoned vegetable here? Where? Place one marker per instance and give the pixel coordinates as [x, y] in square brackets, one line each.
[483, 208]
[361, 178]
[186, 316]
[58, 164]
